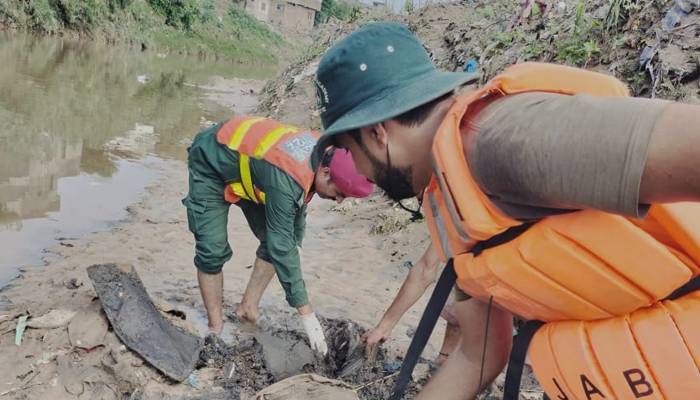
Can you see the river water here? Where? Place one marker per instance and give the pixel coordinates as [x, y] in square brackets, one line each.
[83, 128]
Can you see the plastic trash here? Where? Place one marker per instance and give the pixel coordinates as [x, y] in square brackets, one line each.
[192, 380]
[471, 66]
[673, 18]
[19, 331]
[391, 367]
[680, 10]
[308, 387]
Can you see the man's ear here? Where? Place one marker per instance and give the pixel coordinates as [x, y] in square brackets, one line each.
[326, 170]
[375, 135]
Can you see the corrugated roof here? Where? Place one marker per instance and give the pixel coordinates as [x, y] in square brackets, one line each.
[313, 4]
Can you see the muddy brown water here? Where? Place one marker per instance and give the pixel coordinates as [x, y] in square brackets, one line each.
[83, 128]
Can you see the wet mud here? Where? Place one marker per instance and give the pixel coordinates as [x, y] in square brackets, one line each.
[247, 367]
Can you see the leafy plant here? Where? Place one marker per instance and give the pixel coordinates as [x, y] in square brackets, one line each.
[579, 47]
[336, 9]
[618, 12]
[180, 14]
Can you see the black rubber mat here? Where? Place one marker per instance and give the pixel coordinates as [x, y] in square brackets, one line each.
[140, 325]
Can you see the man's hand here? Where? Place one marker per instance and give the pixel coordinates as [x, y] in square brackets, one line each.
[315, 333]
[377, 335]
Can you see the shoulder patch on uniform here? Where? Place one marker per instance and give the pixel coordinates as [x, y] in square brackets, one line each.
[299, 147]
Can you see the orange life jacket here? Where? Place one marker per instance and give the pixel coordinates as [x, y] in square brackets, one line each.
[283, 146]
[650, 354]
[583, 265]
[605, 274]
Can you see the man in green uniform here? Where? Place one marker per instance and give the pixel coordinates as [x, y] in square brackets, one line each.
[278, 222]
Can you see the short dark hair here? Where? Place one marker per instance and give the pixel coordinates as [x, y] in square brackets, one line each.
[418, 115]
[412, 117]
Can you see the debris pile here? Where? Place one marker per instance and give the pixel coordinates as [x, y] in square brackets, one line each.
[248, 365]
[139, 344]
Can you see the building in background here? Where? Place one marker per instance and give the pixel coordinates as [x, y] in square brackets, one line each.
[374, 3]
[287, 14]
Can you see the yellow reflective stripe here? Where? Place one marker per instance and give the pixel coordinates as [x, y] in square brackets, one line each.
[271, 138]
[246, 178]
[240, 192]
[240, 132]
[237, 189]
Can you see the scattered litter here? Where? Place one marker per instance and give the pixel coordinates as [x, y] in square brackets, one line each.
[169, 309]
[51, 320]
[677, 13]
[70, 376]
[391, 367]
[19, 331]
[471, 66]
[87, 329]
[307, 387]
[142, 79]
[192, 380]
[420, 372]
[73, 284]
[231, 370]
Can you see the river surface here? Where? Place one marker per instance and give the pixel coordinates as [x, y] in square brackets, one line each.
[83, 129]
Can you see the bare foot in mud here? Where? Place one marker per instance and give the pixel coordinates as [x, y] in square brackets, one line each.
[248, 314]
[216, 329]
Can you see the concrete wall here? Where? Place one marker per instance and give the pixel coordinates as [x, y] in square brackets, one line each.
[298, 17]
[288, 14]
[260, 9]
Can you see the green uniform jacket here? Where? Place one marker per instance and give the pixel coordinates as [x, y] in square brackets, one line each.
[279, 224]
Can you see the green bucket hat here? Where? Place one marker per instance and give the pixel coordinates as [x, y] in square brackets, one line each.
[376, 73]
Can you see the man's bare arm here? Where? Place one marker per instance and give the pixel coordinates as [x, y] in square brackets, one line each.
[419, 278]
[672, 170]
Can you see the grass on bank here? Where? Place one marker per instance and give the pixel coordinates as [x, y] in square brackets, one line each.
[206, 27]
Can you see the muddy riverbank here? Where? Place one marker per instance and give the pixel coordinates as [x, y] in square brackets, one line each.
[351, 276]
[155, 239]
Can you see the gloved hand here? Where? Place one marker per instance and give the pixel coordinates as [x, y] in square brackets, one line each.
[315, 333]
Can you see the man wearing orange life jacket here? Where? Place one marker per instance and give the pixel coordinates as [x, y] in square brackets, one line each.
[263, 167]
[556, 199]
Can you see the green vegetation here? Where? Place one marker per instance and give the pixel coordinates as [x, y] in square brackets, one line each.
[338, 10]
[180, 14]
[578, 48]
[618, 12]
[204, 27]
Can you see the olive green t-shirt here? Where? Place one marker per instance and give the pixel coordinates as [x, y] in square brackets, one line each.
[538, 154]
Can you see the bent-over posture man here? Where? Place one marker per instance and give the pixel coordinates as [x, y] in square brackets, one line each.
[263, 167]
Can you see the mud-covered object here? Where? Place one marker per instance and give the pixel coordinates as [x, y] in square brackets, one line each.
[307, 387]
[138, 323]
